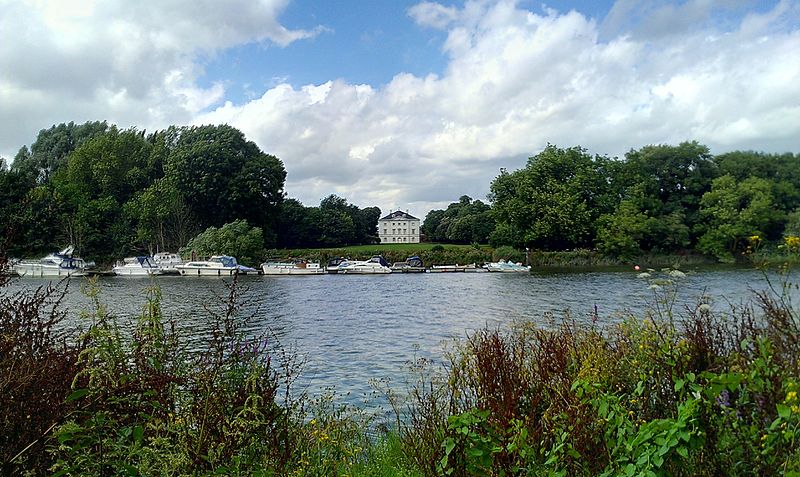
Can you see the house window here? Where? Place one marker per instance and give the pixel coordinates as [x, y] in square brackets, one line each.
[413, 231]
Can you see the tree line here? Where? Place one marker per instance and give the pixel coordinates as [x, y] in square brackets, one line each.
[657, 199]
[114, 193]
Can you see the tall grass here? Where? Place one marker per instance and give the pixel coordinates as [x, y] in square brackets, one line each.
[696, 391]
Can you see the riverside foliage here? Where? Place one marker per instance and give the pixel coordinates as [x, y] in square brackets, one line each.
[114, 193]
[663, 392]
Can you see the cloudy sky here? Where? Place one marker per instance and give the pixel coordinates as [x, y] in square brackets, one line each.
[403, 104]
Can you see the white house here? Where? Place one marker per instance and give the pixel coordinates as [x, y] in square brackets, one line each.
[398, 227]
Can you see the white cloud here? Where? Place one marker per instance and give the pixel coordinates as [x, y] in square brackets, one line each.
[515, 80]
[130, 62]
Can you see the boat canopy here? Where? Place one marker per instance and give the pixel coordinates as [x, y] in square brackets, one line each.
[225, 260]
[335, 261]
[414, 261]
[379, 259]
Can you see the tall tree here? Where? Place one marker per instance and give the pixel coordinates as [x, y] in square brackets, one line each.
[732, 212]
[226, 177]
[553, 203]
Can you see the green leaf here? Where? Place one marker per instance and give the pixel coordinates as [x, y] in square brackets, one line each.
[784, 411]
[77, 394]
[683, 452]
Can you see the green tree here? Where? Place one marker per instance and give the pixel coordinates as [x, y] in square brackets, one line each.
[554, 202]
[237, 239]
[52, 148]
[223, 177]
[673, 178]
[733, 212]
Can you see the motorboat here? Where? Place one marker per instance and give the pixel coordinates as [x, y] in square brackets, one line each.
[57, 264]
[295, 267]
[471, 268]
[216, 266]
[411, 265]
[373, 266]
[167, 261]
[137, 266]
[507, 267]
[335, 262]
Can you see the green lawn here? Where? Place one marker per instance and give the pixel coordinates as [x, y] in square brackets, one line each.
[399, 246]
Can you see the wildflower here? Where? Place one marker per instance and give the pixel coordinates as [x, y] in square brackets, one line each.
[791, 396]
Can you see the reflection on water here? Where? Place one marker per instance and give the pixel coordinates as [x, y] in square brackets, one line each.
[352, 329]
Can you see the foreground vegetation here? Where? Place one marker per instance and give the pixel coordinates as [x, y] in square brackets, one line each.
[662, 392]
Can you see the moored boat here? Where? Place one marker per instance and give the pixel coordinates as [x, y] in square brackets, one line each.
[507, 267]
[296, 267]
[411, 265]
[57, 264]
[167, 261]
[373, 266]
[471, 268]
[334, 264]
[137, 266]
[216, 266]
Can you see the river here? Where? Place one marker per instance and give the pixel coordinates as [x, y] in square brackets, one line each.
[354, 329]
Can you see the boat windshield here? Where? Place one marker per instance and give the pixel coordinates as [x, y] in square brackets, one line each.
[225, 260]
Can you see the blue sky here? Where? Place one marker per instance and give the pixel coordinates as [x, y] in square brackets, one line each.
[365, 42]
[409, 104]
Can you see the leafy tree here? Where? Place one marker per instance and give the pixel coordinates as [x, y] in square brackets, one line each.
[298, 225]
[633, 228]
[553, 203]
[465, 221]
[793, 224]
[673, 178]
[226, 177]
[732, 212]
[237, 239]
[53, 146]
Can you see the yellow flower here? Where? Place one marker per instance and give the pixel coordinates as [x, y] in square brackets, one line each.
[791, 396]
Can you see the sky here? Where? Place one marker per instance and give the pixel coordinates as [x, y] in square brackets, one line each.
[406, 104]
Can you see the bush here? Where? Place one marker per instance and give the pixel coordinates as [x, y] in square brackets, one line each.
[509, 254]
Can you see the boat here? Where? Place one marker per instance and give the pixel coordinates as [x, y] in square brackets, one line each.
[334, 264]
[216, 266]
[137, 266]
[507, 267]
[167, 261]
[411, 265]
[57, 264]
[295, 267]
[373, 266]
[471, 268]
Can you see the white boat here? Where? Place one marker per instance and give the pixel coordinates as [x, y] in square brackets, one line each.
[167, 261]
[216, 266]
[373, 266]
[60, 264]
[141, 266]
[297, 267]
[471, 268]
[507, 267]
[335, 263]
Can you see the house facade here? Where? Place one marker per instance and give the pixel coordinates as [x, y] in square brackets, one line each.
[399, 227]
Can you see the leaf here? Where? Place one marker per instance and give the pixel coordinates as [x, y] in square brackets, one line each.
[784, 411]
[449, 444]
[77, 394]
[683, 452]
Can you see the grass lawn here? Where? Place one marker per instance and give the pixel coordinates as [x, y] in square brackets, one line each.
[399, 246]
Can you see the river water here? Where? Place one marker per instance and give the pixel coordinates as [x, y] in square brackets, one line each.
[354, 329]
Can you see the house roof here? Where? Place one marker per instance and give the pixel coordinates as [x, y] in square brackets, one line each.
[399, 215]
